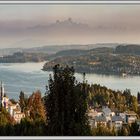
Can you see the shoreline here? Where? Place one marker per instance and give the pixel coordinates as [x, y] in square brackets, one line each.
[28, 74]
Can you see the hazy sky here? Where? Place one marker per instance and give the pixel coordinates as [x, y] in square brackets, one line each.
[107, 23]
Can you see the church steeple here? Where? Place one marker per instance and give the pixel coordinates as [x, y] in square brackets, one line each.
[1, 93]
[2, 89]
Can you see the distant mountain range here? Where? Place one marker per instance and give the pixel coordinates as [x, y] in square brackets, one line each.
[53, 32]
[68, 31]
[61, 27]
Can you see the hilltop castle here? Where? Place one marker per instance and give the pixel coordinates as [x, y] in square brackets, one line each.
[13, 109]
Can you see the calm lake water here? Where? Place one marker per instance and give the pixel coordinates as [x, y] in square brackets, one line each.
[29, 77]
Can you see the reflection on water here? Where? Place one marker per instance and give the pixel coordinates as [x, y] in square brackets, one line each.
[114, 82]
[29, 77]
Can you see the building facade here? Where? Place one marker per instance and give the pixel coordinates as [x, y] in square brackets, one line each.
[107, 117]
[13, 109]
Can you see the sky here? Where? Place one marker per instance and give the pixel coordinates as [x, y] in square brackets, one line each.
[35, 25]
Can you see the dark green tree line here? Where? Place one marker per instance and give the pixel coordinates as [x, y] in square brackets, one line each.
[66, 104]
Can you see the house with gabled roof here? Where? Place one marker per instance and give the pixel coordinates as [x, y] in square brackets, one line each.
[107, 113]
[100, 120]
[15, 111]
[117, 122]
[131, 117]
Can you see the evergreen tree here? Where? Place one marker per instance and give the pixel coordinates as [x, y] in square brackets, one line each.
[134, 129]
[22, 100]
[134, 103]
[138, 97]
[66, 104]
[127, 94]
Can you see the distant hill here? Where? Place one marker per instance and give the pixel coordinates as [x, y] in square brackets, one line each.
[73, 52]
[9, 51]
[124, 59]
[52, 49]
[20, 57]
[99, 60]
[128, 49]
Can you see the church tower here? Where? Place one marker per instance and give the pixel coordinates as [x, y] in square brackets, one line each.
[1, 93]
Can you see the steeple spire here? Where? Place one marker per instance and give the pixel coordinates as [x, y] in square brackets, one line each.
[1, 93]
[2, 89]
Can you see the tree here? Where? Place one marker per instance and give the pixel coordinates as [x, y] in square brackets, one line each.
[138, 97]
[124, 131]
[36, 107]
[134, 103]
[21, 100]
[13, 101]
[5, 118]
[134, 129]
[127, 95]
[103, 131]
[66, 105]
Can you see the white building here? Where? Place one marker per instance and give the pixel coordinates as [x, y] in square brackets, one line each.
[100, 120]
[17, 115]
[123, 117]
[99, 111]
[92, 114]
[13, 109]
[106, 117]
[15, 112]
[117, 122]
[131, 117]
[107, 113]
[5, 102]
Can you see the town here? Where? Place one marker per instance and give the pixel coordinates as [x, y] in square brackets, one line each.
[101, 116]
[91, 107]
[13, 109]
[107, 117]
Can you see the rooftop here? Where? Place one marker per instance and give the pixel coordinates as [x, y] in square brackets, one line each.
[130, 113]
[117, 118]
[100, 119]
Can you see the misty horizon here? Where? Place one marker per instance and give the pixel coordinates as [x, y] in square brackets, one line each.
[36, 26]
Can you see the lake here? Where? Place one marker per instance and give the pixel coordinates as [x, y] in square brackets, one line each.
[29, 77]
